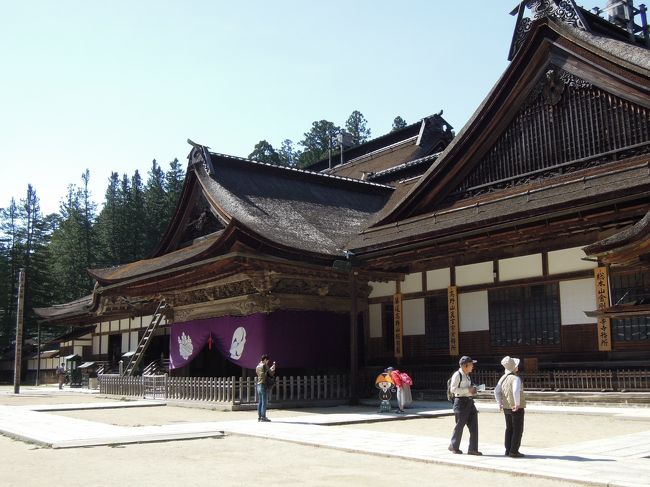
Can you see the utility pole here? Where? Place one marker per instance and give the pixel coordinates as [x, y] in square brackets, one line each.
[19, 331]
[38, 357]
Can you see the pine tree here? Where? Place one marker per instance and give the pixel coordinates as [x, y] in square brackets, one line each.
[317, 142]
[34, 233]
[108, 223]
[264, 152]
[173, 186]
[74, 246]
[135, 224]
[155, 205]
[13, 261]
[287, 154]
[398, 123]
[357, 126]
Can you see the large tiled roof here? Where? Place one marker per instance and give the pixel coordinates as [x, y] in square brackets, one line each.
[184, 255]
[522, 204]
[73, 308]
[302, 210]
[635, 234]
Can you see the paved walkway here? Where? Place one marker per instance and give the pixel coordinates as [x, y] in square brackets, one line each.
[618, 461]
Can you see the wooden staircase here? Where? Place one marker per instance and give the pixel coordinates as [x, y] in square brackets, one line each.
[137, 357]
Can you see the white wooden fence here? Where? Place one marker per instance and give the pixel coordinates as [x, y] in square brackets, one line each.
[230, 390]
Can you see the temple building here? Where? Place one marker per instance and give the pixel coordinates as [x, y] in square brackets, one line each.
[524, 234]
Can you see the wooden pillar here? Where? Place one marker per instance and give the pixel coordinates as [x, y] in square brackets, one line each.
[354, 359]
[18, 359]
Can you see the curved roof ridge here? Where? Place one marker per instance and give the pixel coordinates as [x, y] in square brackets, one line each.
[303, 171]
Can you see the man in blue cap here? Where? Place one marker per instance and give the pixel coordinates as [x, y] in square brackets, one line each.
[464, 409]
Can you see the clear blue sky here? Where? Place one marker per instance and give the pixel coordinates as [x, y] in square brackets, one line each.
[109, 86]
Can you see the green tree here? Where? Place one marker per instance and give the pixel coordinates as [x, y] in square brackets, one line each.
[317, 142]
[5, 293]
[108, 222]
[357, 126]
[136, 220]
[264, 152]
[173, 186]
[155, 207]
[11, 254]
[288, 154]
[74, 245]
[398, 123]
[34, 234]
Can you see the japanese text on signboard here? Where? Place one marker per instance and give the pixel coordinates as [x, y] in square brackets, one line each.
[398, 325]
[601, 277]
[452, 306]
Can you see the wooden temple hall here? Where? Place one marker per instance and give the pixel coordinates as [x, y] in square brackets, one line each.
[527, 233]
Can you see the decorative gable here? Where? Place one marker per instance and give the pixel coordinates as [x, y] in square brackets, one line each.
[565, 125]
[200, 222]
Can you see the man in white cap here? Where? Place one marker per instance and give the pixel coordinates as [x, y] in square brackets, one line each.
[464, 409]
[509, 394]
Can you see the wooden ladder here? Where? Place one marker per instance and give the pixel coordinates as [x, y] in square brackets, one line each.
[136, 358]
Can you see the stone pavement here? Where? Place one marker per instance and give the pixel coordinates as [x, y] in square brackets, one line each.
[619, 461]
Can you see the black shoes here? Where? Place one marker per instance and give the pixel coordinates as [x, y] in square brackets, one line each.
[515, 455]
[454, 450]
[474, 452]
[264, 420]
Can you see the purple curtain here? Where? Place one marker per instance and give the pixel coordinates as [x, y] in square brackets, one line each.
[292, 338]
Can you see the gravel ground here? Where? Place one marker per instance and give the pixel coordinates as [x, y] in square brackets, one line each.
[244, 461]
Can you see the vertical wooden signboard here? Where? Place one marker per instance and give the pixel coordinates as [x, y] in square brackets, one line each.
[398, 324]
[452, 307]
[601, 277]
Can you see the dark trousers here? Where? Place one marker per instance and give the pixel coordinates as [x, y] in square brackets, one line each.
[466, 414]
[514, 430]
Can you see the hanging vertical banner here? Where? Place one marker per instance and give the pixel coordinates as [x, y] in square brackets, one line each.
[397, 324]
[601, 277]
[452, 307]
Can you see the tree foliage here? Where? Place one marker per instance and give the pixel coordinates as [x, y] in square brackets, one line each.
[398, 123]
[264, 152]
[357, 126]
[317, 142]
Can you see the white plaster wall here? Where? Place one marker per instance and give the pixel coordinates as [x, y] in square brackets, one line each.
[438, 279]
[125, 343]
[520, 267]
[576, 297]
[568, 260]
[374, 320]
[134, 341]
[145, 320]
[481, 273]
[413, 316]
[96, 345]
[125, 324]
[104, 344]
[473, 311]
[412, 283]
[380, 289]
[78, 350]
[105, 327]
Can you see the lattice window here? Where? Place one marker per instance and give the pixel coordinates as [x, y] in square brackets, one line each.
[629, 288]
[566, 125]
[437, 321]
[528, 315]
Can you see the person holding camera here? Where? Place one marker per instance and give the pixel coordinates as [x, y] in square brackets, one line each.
[265, 376]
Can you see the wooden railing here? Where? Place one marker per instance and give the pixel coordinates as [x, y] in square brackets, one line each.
[550, 380]
[231, 390]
